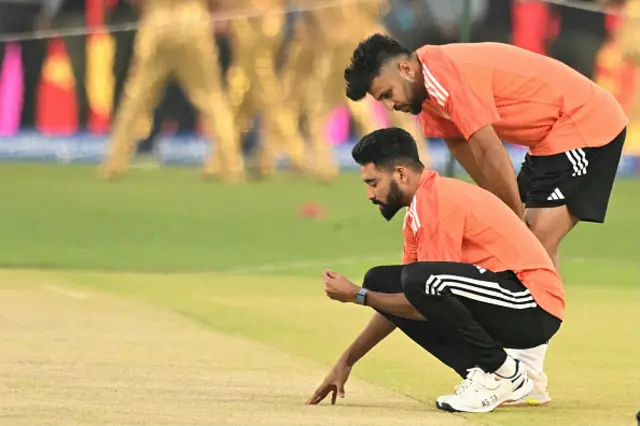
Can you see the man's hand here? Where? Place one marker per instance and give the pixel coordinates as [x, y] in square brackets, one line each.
[333, 384]
[339, 287]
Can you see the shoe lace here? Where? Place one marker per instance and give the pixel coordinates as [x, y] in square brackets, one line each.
[472, 381]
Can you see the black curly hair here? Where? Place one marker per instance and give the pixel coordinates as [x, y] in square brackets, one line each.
[367, 60]
[387, 148]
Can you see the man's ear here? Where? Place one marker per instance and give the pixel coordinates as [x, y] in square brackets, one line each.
[402, 174]
[407, 70]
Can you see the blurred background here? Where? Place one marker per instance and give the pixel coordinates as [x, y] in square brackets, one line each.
[81, 77]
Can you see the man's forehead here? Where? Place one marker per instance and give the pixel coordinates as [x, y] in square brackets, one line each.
[377, 87]
[371, 172]
[381, 82]
[368, 171]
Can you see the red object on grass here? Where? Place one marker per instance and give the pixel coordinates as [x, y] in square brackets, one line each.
[312, 211]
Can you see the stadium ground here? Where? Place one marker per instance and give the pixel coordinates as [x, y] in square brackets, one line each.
[163, 300]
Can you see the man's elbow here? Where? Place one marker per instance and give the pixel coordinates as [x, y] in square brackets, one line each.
[453, 143]
[485, 140]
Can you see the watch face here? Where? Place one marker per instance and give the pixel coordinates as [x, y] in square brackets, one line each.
[360, 297]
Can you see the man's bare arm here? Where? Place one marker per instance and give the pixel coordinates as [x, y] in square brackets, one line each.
[393, 304]
[495, 167]
[377, 330]
[463, 153]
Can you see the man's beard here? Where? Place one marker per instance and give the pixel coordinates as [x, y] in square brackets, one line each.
[394, 203]
[416, 107]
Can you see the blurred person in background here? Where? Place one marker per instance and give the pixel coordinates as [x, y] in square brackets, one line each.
[256, 37]
[126, 12]
[176, 38]
[174, 104]
[309, 82]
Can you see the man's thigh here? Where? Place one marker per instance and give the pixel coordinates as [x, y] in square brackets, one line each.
[384, 279]
[445, 346]
[498, 301]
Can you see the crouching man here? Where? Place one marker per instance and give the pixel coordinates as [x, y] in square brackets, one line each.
[474, 281]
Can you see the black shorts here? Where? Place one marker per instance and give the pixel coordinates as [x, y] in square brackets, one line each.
[581, 179]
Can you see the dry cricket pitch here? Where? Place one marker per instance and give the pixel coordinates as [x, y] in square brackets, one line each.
[87, 358]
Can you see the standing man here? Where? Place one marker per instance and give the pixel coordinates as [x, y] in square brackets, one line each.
[471, 268]
[477, 95]
[176, 37]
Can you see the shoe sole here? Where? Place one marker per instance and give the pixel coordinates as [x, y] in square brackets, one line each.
[528, 402]
[534, 399]
[446, 407]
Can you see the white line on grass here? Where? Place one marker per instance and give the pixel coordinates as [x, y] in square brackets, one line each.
[66, 292]
[390, 257]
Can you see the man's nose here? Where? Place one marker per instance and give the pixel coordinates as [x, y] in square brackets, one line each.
[370, 194]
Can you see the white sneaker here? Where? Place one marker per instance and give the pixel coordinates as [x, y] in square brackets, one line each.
[483, 392]
[539, 396]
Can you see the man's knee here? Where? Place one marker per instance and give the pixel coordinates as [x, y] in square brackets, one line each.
[383, 279]
[545, 235]
[371, 279]
[550, 224]
[413, 280]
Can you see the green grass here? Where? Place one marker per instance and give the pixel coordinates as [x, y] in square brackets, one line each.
[63, 217]
[168, 221]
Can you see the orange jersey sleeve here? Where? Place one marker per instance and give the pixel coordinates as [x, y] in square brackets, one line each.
[467, 109]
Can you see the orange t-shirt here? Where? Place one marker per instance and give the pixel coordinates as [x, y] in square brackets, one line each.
[530, 99]
[454, 221]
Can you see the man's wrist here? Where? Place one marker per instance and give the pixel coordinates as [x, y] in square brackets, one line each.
[346, 361]
[361, 296]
